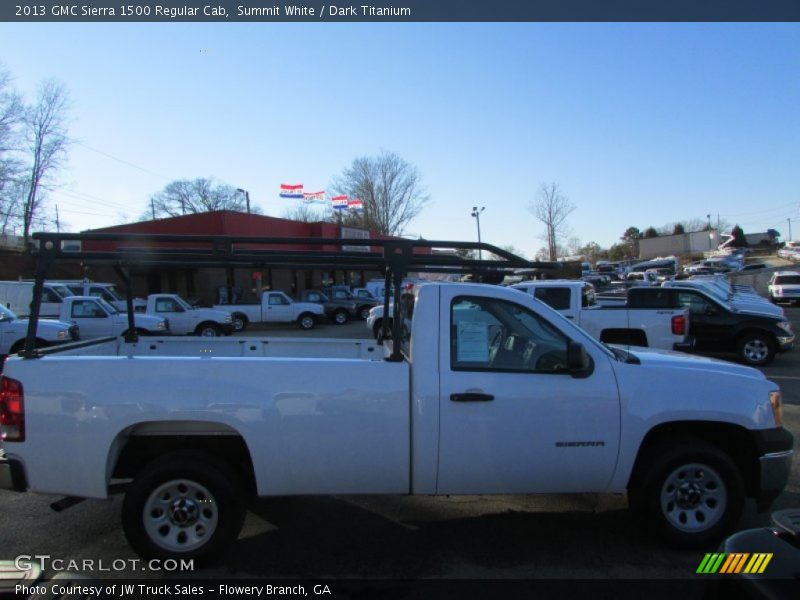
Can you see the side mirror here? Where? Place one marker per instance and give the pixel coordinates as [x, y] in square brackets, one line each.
[579, 363]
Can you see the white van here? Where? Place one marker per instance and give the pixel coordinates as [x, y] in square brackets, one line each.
[17, 296]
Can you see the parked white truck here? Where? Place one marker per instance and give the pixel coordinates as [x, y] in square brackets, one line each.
[185, 319]
[97, 318]
[489, 392]
[48, 333]
[275, 307]
[106, 291]
[17, 296]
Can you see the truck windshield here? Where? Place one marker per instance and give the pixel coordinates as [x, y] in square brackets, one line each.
[111, 310]
[61, 290]
[183, 303]
[787, 280]
[112, 291]
[6, 314]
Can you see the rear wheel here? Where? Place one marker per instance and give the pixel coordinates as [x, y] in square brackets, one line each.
[186, 505]
[756, 349]
[340, 317]
[240, 322]
[693, 494]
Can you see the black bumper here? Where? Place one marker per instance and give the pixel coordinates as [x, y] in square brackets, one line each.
[12, 474]
[775, 452]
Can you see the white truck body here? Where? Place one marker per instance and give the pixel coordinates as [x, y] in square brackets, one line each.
[275, 307]
[185, 319]
[667, 329]
[13, 332]
[97, 318]
[17, 296]
[497, 393]
[106, 291]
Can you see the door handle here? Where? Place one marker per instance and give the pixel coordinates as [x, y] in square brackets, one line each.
[471, 397]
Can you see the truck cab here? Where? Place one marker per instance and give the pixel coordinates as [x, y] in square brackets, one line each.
[97, 318]
[184, 319]
[106, 291]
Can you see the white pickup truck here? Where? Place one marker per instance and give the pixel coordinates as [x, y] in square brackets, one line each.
[490, 392]
[185, 319]
[667, 329]
[97, 318]
[275, 307]
[48, 333]
[106, 291]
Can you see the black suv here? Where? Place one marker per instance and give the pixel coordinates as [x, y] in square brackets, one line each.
[363, 305]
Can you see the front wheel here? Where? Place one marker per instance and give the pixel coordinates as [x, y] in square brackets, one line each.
[208, 330]
[184, 506]
[306, 321]
[756, 349]
[363, 312]
[694, 494]
[340, 317]
[239, 322]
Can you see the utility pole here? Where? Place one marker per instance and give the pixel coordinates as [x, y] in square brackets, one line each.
[789, 221]
[58, 223]
[246, 198]
[477, 214]
[153, 208]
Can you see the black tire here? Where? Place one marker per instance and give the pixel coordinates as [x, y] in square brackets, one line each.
[240, 322]
[756, 349]
[306, 321]
[363, 312]
[376, 331]
[211, 493]
[208, 330]
[691, 493]
[340, 317]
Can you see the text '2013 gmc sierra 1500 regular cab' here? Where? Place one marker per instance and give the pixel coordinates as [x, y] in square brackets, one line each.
[495, 394]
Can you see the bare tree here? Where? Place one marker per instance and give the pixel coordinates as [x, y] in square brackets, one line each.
[184, 196]
[390, 189]
[46, 146]
[552, 208]
[10, 117]
[305, 213]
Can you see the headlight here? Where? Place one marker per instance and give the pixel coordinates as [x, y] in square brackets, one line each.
[786, 326]
[779, 291]
[777, 410]
[228, 319]
[63, 335]
[161, 325]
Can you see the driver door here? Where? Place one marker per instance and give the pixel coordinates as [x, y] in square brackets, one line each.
[512, 419]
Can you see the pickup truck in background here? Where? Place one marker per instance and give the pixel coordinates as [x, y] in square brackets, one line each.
[740, 297]
[665, 328]
[275, 307]
[13, 331]
[718, 326]
[489, 391]
[106, 291]
[185, 319]
[338, 310]
[363, 304]
[17, 297]
[97, 318]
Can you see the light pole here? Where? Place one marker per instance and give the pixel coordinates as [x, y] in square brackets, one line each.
[789, 221]
[476, 212]
[246, 198]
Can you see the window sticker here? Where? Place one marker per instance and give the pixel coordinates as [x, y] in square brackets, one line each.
[473, 342]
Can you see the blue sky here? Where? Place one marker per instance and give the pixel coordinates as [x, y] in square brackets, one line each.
[640, 124]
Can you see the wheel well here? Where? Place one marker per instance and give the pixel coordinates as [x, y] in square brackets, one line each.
[734, 440]
[633, 337]
[206, 324]
[20, 344]
[137, 451]
[307, 314]
[750, 331]
[243, 316]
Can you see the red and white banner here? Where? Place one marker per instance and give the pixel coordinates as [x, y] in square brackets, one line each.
[339, 202]
[314, 196]
[355, 204]
[291, 191]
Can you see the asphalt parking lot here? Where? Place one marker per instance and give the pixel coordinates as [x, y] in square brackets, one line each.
[408, 538]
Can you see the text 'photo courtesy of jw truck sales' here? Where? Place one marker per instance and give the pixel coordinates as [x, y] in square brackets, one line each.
[481, 389]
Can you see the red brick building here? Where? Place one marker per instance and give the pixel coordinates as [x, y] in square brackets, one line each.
[207, 285]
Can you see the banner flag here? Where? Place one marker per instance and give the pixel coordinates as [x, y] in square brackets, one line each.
[314, 197]
[339, 202]
[291, 191]
[355, 204]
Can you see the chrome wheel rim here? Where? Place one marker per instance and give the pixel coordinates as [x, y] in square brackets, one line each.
[755, 350]
[208, 332]
[238, 323]
[307, 322]
[693, 498]
[180, 515]
[341, 318]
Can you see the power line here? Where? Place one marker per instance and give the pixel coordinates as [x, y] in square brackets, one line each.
[124, 162]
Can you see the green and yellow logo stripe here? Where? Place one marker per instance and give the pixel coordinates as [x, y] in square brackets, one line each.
[734, 562]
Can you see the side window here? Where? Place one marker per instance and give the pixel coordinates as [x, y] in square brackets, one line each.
[96, 292]
[555, 297]
[654, 298]
[86, 309]
[314, 298]
[277, 300]
[49, 295]
[487, 334]
[76, 289]
[165, 305]
[696, 304]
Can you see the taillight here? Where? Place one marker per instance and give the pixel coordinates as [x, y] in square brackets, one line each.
[12, 411]
[679, 325]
